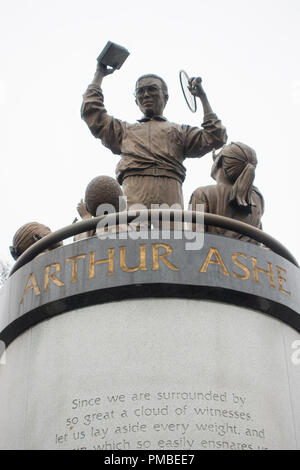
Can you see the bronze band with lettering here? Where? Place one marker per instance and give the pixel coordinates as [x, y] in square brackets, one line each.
[209, 219]
[93, 271]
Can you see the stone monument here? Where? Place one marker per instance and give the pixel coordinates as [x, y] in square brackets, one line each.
[141, 340]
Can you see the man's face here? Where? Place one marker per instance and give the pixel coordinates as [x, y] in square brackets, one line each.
[150, 97]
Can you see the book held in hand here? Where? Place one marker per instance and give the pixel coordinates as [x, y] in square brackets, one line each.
[113, 55]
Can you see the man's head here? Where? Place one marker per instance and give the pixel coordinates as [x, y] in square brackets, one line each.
[151, 93]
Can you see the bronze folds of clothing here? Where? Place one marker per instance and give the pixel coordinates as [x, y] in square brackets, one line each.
[148, 190]
[152, 146]
[216, 200]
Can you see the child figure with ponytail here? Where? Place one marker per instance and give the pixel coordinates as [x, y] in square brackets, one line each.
[234, 195]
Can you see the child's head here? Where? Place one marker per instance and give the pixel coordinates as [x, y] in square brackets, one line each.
[237, 161]
[27, 235]
[103, 190]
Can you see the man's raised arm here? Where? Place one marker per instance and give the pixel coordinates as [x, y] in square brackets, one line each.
[101, 72]
[196, 89]
[93, 112]
[212, 135]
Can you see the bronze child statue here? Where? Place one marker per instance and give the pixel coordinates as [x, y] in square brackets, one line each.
[234, 195]
[27, 235]
[101, 190]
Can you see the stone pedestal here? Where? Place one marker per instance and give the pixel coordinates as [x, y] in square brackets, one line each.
[123, 344]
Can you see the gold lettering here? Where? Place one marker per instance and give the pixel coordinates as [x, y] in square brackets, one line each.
[74, 260]
[142, 266]
[109, 260]
[52, 276]
[281, 279]
[257, 270]
[162, 256]
[31, 284]
[219, 261]
[240, 265]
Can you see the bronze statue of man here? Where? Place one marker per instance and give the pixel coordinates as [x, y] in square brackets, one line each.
[152, 150]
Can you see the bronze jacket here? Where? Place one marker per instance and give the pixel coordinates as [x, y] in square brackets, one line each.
[150, 146]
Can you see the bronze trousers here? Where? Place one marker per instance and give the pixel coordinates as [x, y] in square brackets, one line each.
[149, 190]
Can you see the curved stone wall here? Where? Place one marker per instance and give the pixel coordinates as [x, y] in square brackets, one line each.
[123, 344]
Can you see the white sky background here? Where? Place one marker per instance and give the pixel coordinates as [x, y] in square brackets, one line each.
[247, 53]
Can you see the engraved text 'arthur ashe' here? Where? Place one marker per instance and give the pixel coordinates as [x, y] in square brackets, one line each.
[160, 256]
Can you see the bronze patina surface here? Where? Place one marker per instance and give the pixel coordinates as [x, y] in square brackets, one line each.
[234, 195]
[153, 147]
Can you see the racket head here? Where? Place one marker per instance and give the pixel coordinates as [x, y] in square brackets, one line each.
[189, 98]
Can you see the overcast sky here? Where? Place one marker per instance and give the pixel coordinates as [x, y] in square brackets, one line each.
[247, 53]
